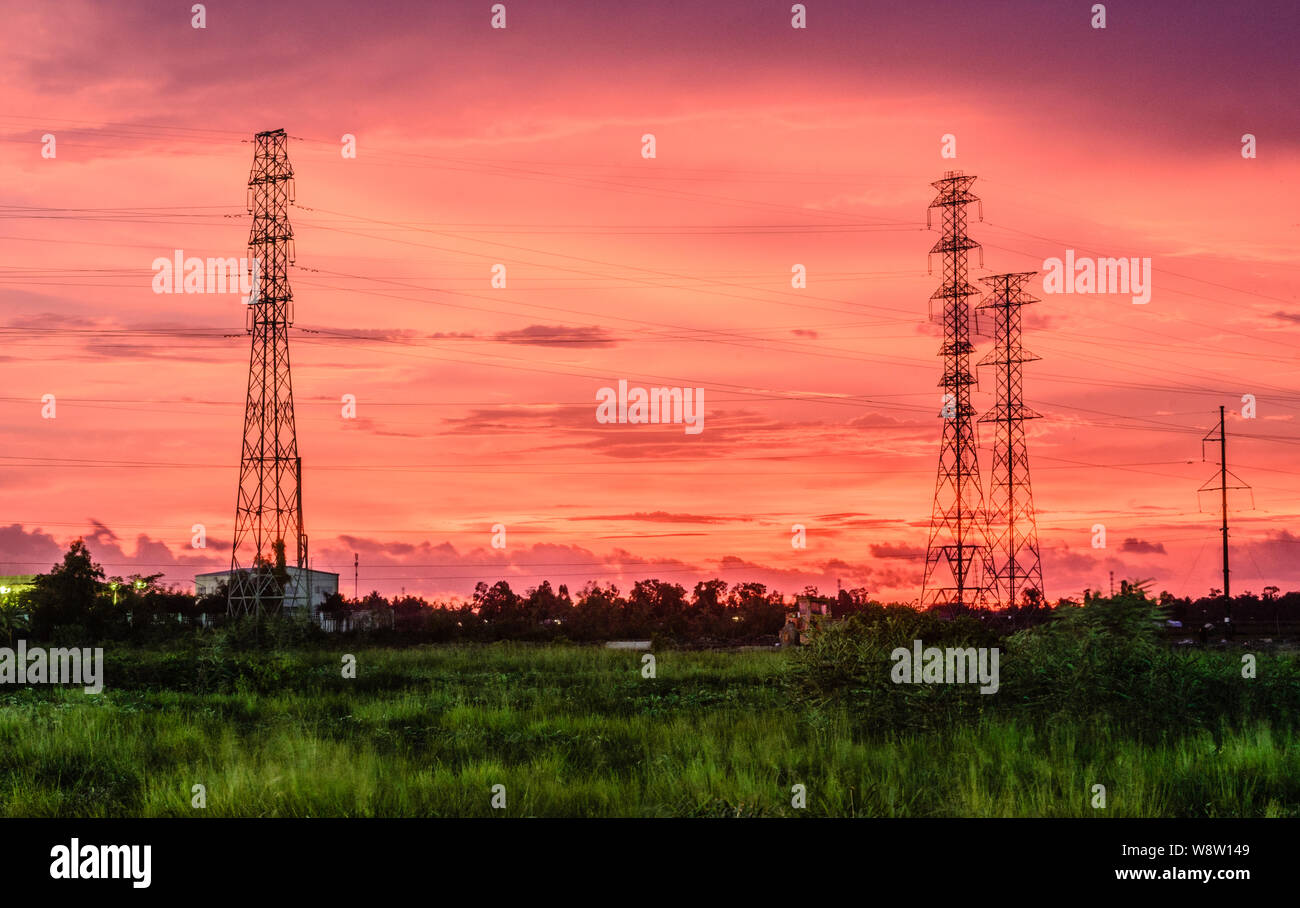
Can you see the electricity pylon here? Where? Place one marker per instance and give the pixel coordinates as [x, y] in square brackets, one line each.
[958, 540]
[1012, 528]
[268, 512]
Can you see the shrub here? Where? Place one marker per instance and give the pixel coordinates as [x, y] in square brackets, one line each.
[849, 661]
[1103, 661]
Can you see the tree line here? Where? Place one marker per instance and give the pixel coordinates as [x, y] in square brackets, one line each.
[75, 602]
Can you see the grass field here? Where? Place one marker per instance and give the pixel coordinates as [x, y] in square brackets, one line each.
[574, 731]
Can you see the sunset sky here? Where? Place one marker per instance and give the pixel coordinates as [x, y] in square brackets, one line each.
[522, 146]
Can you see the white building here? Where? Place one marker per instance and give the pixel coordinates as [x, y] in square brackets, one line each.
[305, 588]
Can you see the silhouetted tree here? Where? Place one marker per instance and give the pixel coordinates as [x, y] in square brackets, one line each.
[69, 595]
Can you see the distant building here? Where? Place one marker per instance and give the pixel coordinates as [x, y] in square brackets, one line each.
[789, 634]
[805, 608]
[305, 589]
[813, 605]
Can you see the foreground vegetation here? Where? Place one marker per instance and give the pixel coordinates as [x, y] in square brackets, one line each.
[577, 731]
[1107, 661]
[265, 716]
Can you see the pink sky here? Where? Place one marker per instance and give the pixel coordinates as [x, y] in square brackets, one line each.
[775, 146]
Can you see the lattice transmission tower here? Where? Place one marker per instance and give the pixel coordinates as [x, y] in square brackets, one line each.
[269, 536]
[1013, 529]
[957, 568]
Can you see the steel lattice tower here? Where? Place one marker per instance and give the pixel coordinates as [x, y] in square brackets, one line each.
[958, 537]
[1013, 530]
[268, 514]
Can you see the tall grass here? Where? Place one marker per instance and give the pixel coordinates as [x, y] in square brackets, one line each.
[579, 732]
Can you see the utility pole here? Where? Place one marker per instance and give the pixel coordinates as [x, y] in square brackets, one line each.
[1221, 436]
[356, 573]
[1223, 510]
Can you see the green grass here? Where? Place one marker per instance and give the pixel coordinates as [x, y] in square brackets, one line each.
[576, 731]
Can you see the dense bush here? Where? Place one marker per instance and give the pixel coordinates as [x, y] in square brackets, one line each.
[1104, 660]
[849, 661]
[1109, 658]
